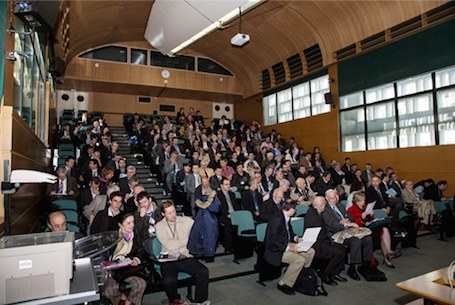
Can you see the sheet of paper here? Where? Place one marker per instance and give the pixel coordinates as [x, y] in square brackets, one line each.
[370, 207]
[391, 192]
[309, 238]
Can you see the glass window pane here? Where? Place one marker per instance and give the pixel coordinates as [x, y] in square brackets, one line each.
[176, 62]
[416, 121]
[381, 126]
[446, 112]
[445, 77]
[27, 88]
[209, 66]
[414, 84]
[380, 93]
[352, 124]
[351, 100]
[18, 73]
[319, 86]
[138, 57]
[269, 109]
[284, 101]
[110, 53]
[301, 100]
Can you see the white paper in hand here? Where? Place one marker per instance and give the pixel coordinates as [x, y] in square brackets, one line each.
[309, 238]
[370, 207]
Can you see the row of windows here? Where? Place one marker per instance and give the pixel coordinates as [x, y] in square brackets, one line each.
[418, 111]
[140, 57]
[300, 101]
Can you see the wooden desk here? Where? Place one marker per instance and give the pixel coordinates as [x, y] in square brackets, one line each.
[431, 292]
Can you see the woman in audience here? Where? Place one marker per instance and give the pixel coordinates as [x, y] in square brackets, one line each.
[107, 174]
[356, 187]
[381, 234]
[129, 247]
[425, 208]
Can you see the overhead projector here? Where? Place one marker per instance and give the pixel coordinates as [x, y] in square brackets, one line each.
[240, 39]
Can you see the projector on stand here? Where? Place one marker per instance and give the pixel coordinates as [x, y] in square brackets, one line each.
[240, 39]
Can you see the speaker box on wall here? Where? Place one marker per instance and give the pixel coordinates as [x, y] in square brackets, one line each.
[329, 98]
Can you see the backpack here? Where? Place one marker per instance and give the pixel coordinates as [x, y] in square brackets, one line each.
[309, 283]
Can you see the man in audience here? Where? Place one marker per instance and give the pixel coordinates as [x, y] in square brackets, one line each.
[337, 219]
[375, 194]
[252, 199]
[272, 206]
[65, 186]
[240, 179]
[301, 194]
[131, 205]
[331, 255]
[346, 168]
[217, 179]
[91, 172]
[70, 167]
[89, 193]
[226, 170]
[171, 168]
[435, 191]
[395, 184]
[229, 204]
[367, 174]
[192, 181]
[105, 219]
[129, 191]
[204, 170]
[280, 246]
[318, 170]
[123, 182]
[287, 172]
[425, 208]
[338, 176]
[324, 183]
[173, 233]
[57, 222]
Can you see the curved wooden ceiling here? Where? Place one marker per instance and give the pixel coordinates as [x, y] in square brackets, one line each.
[278, 29]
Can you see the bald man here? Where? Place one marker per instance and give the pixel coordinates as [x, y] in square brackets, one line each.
[57, 221]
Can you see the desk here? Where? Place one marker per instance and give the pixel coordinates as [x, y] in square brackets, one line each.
[431, 292]
[83, 287]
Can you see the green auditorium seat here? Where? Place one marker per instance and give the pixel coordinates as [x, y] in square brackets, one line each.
[244, 221]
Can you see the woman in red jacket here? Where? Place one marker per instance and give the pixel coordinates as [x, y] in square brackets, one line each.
[381, 235]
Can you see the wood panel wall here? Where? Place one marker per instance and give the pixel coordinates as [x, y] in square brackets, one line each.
[249, 109]
[27, 152]
[115, 105]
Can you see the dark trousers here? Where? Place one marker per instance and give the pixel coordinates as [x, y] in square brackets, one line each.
[227, 227]
[361, 249]
[333, 257]
[193, 267]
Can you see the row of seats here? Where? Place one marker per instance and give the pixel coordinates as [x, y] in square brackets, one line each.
[69, 208]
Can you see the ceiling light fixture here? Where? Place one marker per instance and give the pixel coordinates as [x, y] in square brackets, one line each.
[219, 24]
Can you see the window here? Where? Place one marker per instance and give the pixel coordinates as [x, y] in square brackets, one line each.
[269, 109]
[177, 62]
[319, 87]
[110, 53]
[446, 116]
[401, 114]
[284, 100]
[353, 130]
[302, 100]
[138, 57]
[209, 66]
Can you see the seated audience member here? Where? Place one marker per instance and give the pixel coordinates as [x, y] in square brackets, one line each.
[240, 179]
[337, 219]
[89, 193]
[70, 167]
[342, 195]
[381, 235]
[302, 172]
[98, 204]
[435, 191]
[338, 176]
[252, 199]
[396, 204]
[268, 179]
[129, 246]
[367, 174]
[346, 168]
[56, 221]
[173, 232]
[396, 184]
[90, 172]
[272, 206]
[145, 218]
[204, 170]
[107, 174]
[129, 191]
[216, 180]
[301, 194]
[356, 187]
[226, 170]
[124, 181]
[131, 205]
[192, 181]
[375, 194]
[324, 183]
[318, 170]
[309, 181]
[425, 208]
[331, 255]
[229, 204]
[422, 185]
[66, 136]
[287, 173]
[65, 185]
[280, 247]
[104, 220]
[171, 168]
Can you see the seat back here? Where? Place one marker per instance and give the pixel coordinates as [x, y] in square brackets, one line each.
[297, 226]
[64, 205]
[301, 209]
[244, 221]
[439, 206]
[260, 232]
[378, 213]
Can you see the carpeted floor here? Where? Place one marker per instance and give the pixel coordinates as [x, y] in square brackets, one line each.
[433, 254]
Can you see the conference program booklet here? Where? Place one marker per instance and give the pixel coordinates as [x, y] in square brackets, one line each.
[309, 238]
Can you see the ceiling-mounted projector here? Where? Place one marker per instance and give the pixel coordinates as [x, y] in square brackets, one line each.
[240, 39]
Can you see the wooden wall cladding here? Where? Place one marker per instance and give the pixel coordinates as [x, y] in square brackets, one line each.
[115, 105]
[249, 109]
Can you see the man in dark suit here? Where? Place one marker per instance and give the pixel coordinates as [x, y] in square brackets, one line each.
[91, 171]
[170, 170]
[367, 174]
[65, 185]
[216, 180]
[374, 193]
[319, 169]
[330, 255]
[70, 167]
[105, 219]
[337, 219]
[280, 247]
[434, 191]
[89, 193]
[267, 178]
[252, 200]
[124, 182]
[395, 183]
[228, 205]
[324, 183]
[272, 206]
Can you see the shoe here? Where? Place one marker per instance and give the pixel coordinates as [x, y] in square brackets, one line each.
[377, 271]
[327, 279]
[353, 273]
[393, 255]
[339, 278]
[388, 263]
[285, 289]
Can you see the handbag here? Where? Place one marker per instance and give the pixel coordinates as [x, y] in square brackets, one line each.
[119, 275]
